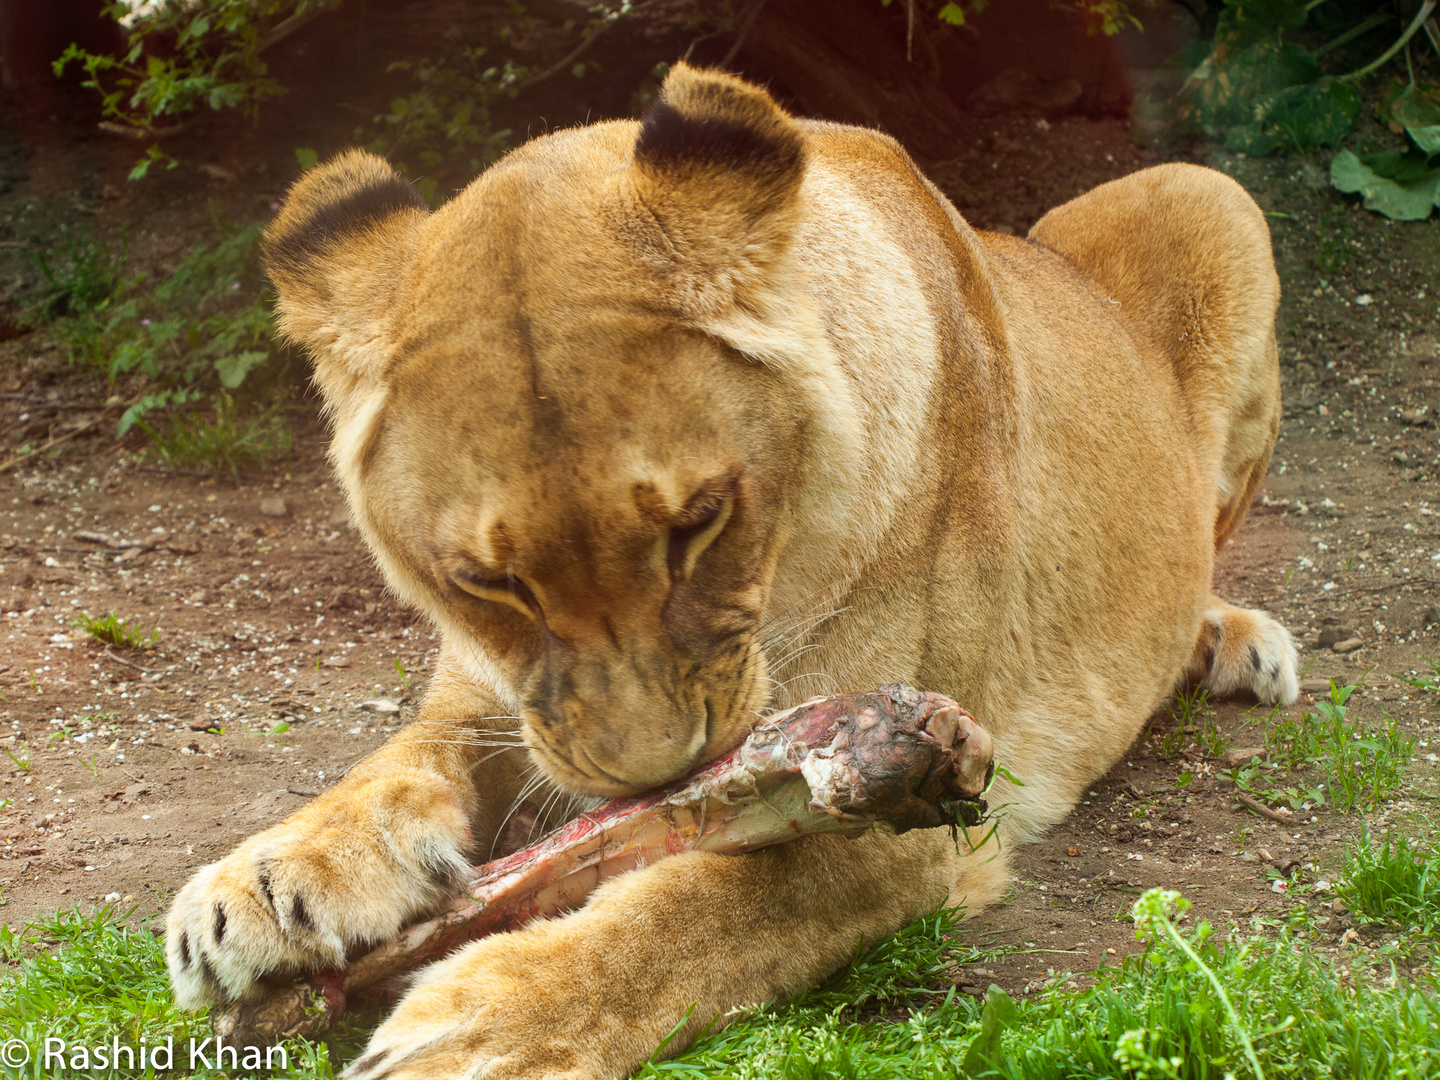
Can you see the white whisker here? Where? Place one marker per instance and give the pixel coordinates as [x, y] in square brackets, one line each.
[527, 789]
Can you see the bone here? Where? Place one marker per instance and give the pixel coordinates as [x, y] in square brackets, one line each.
[896, 758]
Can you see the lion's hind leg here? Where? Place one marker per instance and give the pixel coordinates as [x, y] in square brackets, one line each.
[1241, 649]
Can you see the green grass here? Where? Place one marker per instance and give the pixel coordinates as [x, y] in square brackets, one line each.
[90, 979]
[1359, 767]
[1395, 883]
[80, 277]
[234, 440]
[20, 760]
[1194, 723]
[1430, 681]
[113, 630]
[1187, 1007]
[1162, 1014]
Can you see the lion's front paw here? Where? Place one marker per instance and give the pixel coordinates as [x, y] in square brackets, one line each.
[552, 1000]
[353, 866]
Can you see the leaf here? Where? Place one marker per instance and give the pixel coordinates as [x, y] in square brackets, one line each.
[998, 1014]
[233, 369]
[280, 728]
[953, 14]
[1410, 200]
[1398, 165]
[1420, 117]
[307, 157]
[131, 415]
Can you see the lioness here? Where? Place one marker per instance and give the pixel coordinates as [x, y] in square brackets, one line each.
[668, 423]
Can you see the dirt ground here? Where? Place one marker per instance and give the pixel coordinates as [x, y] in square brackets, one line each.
[145, 765]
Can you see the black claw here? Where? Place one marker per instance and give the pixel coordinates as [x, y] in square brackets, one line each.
[300, 915]
[207, 972]
[219, 924]
[184, 949]
[1255, 657]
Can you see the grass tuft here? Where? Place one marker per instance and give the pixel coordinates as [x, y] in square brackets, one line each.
[81, 277]
[1430, 680]
[113, 630]
[1395, 883]
[1361, 766]
[233, 441]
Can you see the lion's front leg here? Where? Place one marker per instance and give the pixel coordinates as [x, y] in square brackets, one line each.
[383, 846]
[592, 995]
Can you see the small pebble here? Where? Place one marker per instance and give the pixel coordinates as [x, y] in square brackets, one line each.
[274, 506]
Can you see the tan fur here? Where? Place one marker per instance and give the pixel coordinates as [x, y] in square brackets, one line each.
[664, 425]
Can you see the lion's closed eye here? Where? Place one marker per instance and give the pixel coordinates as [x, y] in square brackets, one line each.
[499, 588]
[688, 539]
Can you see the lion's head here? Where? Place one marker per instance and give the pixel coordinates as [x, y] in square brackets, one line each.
[573, 413]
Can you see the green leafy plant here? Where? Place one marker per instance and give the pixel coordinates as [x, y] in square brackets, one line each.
[1401, 184]
[208, 323]
[1395, 882]
[1190, 1006]
[1371, 768]
[113, 630]
[1265, 94]
[1190, 709]
[446, 116]
[210, 60]
[1250, 779]
[197, 336]
[1214, 738]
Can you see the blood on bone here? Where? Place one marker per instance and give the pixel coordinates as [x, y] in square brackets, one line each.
[895, 758]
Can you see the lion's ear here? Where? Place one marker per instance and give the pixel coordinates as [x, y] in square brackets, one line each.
[715, 190]
[336, 253]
